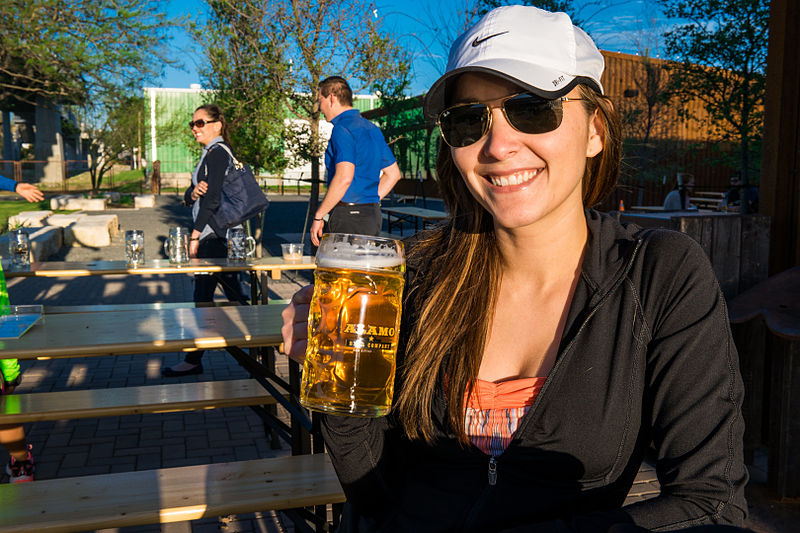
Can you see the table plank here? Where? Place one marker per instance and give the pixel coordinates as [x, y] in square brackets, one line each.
[418, 212]
[93, 403]
[147, 331]
[155, 266]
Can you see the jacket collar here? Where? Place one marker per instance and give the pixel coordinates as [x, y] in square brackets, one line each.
[609, 251]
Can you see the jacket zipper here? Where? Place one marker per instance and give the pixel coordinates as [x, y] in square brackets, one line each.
[492, 471]
[492, 468]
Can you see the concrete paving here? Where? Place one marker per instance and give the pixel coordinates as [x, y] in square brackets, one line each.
[116, 444]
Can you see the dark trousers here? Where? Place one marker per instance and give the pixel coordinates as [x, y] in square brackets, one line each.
[362, 219]
[206, 284]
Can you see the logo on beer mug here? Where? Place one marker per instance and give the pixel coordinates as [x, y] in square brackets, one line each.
[353, 325]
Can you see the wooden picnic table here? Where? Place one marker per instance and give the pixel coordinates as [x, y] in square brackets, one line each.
[147, 331]
[257, 269]
[155, 266]
[406, 213]
[153, 328]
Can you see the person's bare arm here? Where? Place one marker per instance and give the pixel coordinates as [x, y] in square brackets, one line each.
[391, 175]
[29, 192]
[336, 190]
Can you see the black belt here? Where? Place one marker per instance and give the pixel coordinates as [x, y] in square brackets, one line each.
[357, 205]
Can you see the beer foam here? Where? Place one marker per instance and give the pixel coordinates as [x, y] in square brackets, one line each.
[358, 256]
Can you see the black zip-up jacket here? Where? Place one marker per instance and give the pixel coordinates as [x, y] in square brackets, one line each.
[213, 169]
[646, 360]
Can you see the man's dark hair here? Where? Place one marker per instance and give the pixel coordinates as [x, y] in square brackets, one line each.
[337, 86]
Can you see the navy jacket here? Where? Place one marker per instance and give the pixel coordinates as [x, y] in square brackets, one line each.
[646, 360]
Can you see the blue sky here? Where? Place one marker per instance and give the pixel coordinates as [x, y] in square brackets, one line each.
[424, 27]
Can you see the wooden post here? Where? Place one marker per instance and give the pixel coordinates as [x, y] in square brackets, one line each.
[780, 178]
[155, 180]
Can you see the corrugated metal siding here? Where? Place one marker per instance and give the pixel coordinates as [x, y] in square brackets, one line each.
[365, 102]
[622, 73]
[173, 111]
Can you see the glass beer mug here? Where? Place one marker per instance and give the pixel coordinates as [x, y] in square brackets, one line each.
[19, 247]
[177, 246]
[134, 247]
[240, 245]
[353, 325]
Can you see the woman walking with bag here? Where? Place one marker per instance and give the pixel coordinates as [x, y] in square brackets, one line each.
[207, 239]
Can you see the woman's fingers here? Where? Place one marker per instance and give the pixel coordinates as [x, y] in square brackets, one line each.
[295, 324]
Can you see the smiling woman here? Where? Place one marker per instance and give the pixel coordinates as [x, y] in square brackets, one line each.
[544, 347]
[208, 240]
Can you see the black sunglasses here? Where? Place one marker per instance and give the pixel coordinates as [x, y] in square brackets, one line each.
[200, 123]
[465, 124]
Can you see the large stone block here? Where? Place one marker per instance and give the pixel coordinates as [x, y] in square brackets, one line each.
[67, 202]
[45, 241]
[144, 200]
[111, 222]
[92, 231]
[95, 204]
[28, 219]
[87, 234]
[62, 221]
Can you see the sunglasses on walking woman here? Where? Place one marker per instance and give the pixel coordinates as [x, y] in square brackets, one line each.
[200, 123]
[464, 124]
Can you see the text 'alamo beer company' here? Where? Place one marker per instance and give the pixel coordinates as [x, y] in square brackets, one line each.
[353, 325]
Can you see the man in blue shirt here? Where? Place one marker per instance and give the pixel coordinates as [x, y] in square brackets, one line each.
[361, 167]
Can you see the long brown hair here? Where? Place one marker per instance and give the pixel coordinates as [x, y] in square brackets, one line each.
[215, 113]
[457, 295]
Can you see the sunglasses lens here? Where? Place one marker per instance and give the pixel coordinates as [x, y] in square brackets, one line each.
[463, 125]
[199, 123]
[531, 114]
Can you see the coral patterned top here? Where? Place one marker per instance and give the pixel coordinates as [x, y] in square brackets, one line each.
[493, 411]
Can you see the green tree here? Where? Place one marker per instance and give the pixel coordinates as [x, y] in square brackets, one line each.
[308, 40]
[243, 69]
[73, 51]
[111, 134]
[722, 46]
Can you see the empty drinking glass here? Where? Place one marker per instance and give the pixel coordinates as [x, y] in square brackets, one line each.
[19, 247]
[134, 247]
[292, 252]
[177, 246]
[240, 245]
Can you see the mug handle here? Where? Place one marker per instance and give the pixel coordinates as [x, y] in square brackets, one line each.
[250, 246]
[166, 247]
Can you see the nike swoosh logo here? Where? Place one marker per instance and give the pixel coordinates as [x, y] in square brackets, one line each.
[478, 41]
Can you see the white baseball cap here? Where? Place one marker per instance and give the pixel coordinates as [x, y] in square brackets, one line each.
[541, 51]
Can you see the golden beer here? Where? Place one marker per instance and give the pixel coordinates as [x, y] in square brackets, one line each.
[353, 326]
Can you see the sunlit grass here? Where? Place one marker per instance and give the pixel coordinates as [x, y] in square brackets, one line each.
[9, 208]
[117, 180]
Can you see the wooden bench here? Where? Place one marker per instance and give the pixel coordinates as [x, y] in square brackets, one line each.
[168, 494]
[69, 404]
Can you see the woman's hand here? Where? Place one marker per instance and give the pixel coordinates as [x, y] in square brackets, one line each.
[200, 189]
[295, 324]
